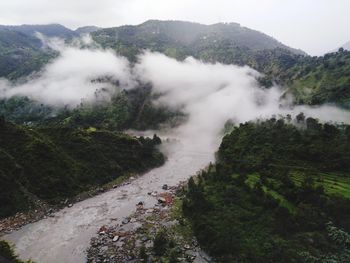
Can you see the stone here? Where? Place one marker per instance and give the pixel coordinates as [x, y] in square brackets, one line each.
[104, 248]
[161, 200]
[144, 239]
[70, 205]
[165, 187]
[115, 238]
[126, 220]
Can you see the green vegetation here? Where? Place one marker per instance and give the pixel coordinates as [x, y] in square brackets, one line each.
[21, 54]
[225, 43]
[317, 80]
[7, 254]
[52, 163]
[273, 192]
[128, 109]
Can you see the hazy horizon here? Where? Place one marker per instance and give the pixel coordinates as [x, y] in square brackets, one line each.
[315, 27]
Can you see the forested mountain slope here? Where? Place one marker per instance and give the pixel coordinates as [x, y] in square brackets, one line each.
[225, 43]
[53, 163]
[318, 80]
[278, 193]
[20, 54]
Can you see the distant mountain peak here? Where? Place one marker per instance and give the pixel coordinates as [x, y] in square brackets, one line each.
[86, 29]
[190, 33]
[50, 30]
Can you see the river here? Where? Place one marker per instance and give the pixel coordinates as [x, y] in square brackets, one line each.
[66, 236]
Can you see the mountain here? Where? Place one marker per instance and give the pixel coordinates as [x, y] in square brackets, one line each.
[179, 33]
[50, 30]
[318, 80]
[86, 29]
[225, 43]
[20, 54]
[312, 80]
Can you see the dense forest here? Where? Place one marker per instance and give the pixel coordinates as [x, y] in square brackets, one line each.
[279, 192]
[127, 109]
[52, 162]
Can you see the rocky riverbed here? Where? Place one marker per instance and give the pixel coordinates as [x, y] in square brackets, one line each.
[132, 239]
[65, 235]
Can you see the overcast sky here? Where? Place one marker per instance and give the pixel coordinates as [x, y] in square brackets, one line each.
[316, 26]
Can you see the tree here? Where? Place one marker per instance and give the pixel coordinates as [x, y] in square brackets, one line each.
[160, 243]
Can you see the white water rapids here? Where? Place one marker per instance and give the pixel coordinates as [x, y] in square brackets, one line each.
[66, 236]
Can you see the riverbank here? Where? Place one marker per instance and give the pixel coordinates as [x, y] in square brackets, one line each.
[155, 233]
[68, 233]
[43, 210]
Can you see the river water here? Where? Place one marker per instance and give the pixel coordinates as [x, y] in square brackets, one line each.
[66, 236]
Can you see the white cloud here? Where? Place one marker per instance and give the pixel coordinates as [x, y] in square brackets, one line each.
[69, 79]
[211, 94]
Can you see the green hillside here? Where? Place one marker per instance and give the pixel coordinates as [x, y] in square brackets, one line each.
[277, 193]
[317, 80]
[226, 43]
[20, 54]
[53, 163]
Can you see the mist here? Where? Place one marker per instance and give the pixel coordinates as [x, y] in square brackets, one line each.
[212, 94]
[73, 76]
[209, 94]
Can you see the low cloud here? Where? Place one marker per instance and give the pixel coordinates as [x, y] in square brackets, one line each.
[210, 94]
[73, 77]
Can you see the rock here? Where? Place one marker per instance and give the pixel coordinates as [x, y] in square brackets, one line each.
[144, 239]
[104, 248]
[115, 238]
[70, 205]
[187, 247]
[161, 200]
[140, 203]
[102, 230]
[165, 187]
[132, 178]
[154, 194]
[126, 220]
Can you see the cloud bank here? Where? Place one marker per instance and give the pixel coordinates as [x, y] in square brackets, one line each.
[210, 94]
[73, 77]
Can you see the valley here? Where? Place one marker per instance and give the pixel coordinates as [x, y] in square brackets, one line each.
[248, 138]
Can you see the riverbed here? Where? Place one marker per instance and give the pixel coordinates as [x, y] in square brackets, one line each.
[66, 236]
